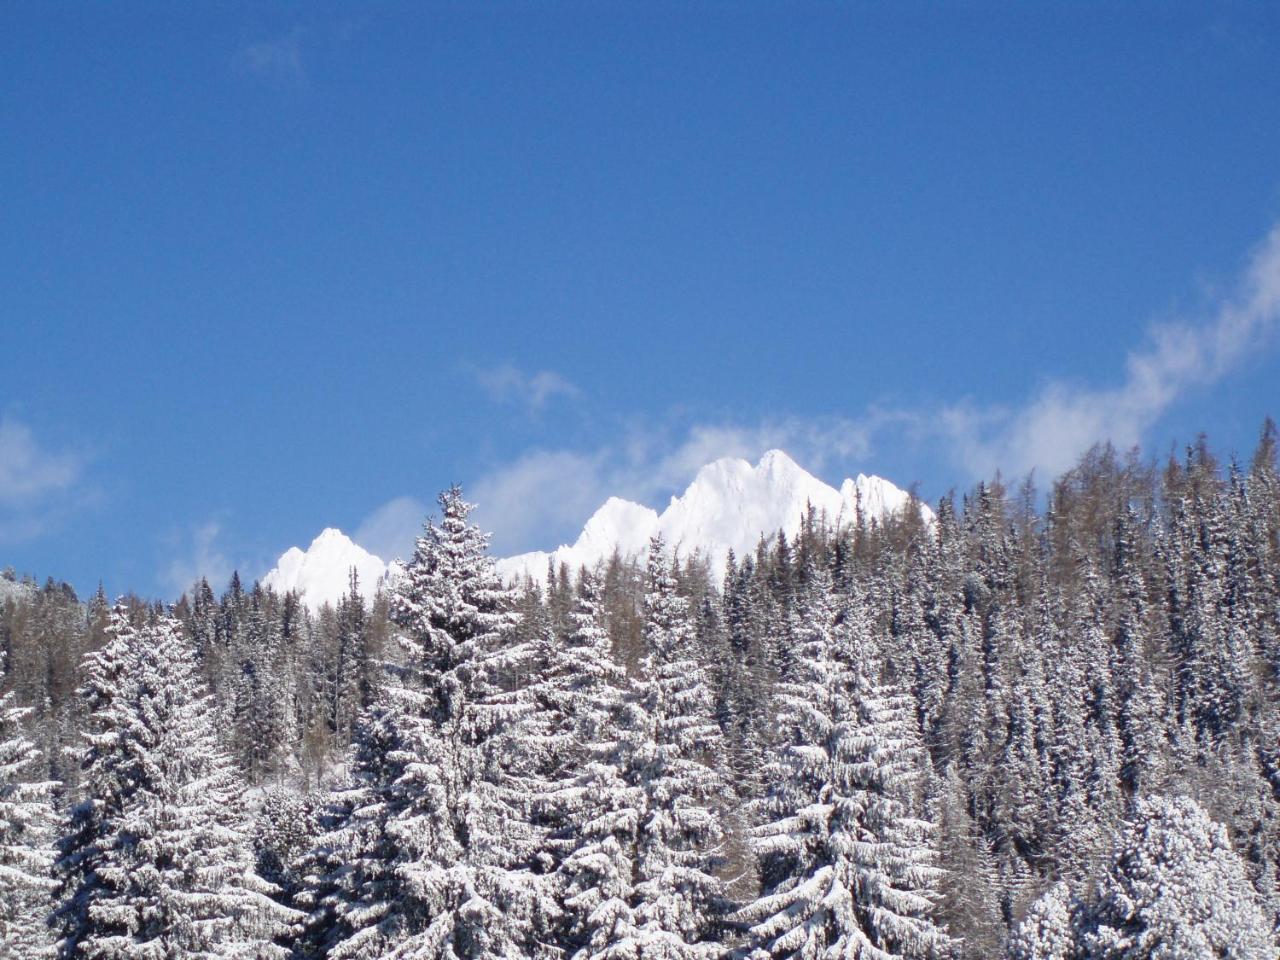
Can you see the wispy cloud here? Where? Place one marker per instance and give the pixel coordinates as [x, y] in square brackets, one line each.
[37, 484]
[28, 471]
[389, 531]
[544, 493]
[1062, 420]
[507, 383]
[278, 61]
[198, 552]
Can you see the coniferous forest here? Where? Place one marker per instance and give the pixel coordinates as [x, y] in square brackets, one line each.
[1043, 726]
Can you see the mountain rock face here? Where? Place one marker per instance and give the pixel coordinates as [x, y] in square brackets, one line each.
[322, 572]
[729, 505]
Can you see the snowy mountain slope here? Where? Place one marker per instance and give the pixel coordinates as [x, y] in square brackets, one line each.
[729, 505]
[321, 572]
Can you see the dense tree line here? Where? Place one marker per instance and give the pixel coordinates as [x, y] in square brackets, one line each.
[1035, 727]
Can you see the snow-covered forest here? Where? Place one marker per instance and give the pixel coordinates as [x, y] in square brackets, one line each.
[1042, 725]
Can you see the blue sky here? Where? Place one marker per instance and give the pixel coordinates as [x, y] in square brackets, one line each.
[267, 268]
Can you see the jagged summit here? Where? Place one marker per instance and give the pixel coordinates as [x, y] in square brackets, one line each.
[729, 505]
[321, 572]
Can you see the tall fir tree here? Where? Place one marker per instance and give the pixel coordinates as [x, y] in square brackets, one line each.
[158, 861]
[846, 869]
[593, 805]
[654, 851]
[27, 824]
[433, 857]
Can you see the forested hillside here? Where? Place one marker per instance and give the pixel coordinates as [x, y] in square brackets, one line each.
[1043, 725]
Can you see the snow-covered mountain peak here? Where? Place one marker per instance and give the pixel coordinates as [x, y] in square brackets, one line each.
[332, 538]
[775, 463]
[322, 572]
[730, 504]
[618, 523]
[876, 496]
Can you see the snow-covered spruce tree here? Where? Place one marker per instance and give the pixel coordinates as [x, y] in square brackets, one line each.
[264, 715]
[593, 806]
[349, 826]
[346, 686]
[26, 840]
[106, 780]
[646, 873]
[1049, 931]
[285, 826]
[158, 861]
[1141, 694]
[1211, 646]
[846, 869]
[969, 901]
[1176, 889]
[432, 859]
[668, 731]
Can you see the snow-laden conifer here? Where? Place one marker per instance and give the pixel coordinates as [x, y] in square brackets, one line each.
[642, 884]
[107, 780]
[1049, 929]
[667, 730]
[1177, 889]
[847, 870]
[26, 840]
[594, 805]
[159, 861]
[432, 858]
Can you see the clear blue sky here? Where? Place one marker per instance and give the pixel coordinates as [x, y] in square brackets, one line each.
[267, 268]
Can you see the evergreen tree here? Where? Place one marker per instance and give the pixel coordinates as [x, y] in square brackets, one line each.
[264, 697]
[969, 888]
[1049, 929]
[1142, 697]
[642, 880]
[26, 839]
[433, 858]
[106, 779]
[594, 805]
[1176, 889]
[666, 730]
[346, 681]
[1213, 658]
[847, 870]
[159, 861]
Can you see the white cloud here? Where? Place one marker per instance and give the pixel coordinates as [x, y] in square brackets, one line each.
[279, 61]
[1063, 420]
[37, 484]
[507, 383]
[199, 555]
[28, 472]
[389, 531]
[543, 493]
